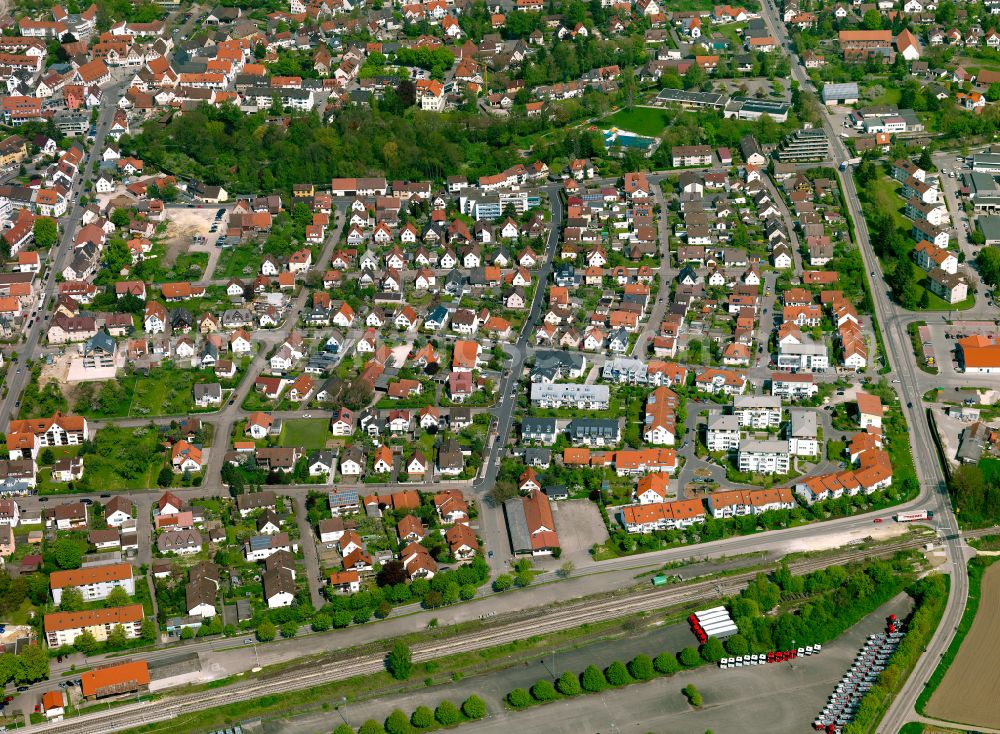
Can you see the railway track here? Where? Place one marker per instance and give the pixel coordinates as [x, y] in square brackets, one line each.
[504, 631]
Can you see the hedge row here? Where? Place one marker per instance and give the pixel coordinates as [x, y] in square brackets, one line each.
[422, 719]
[594, 680]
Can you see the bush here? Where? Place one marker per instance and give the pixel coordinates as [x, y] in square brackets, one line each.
[343, 729]
[289, 628]
[641, 667]
[568, 684]
[617, 675]
[447, 714]
[593, 680]
[266, 631]
[422, 718]
[474, 707]
[712, 651]
[397, 723]
[543, 691]
[321, 622]
[666, 663]
[503, 582]
[693, 696]
[689, 657]
[519, 698]
[371, 727]
[737, 645]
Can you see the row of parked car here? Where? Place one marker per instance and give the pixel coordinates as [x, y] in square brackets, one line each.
[869, 663]
[764, 658]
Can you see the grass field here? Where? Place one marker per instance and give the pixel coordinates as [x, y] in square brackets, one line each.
[123, 458]
[641, 120]
[991, 470]
[309, 433]
[967, 692]
[238, 262]
[890, 96]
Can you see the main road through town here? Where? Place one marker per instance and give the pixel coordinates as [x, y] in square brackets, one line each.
[933, 490]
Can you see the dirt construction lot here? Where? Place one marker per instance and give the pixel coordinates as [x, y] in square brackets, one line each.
[968, 693]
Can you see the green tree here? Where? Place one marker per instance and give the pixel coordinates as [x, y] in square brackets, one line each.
[397, 723]
[712, 651]
[988, 263]
[371, 727]
[187, 633]
[71, 600]
[68, 553]
[737, 645]
[9, 667]
[321, 622]
[148, 631]
[447, 714]
[85, 643]
[33, 664]
[399, 662]
[872, 20]
[343, 729]
[45, 231]
[543, 691]
[266, 631]
[468, 591]
[166, 477]
[116, 256]
[617, 674]
[569, 684]
[503, 582]
[519, 698]
[117, 638]
[48, 458]
[666, 663]
[689, 657]
[121, 218]
[117, 598]
[289, 628]
[592, 679]
[474, 707]
[422, 717]
[641, 667]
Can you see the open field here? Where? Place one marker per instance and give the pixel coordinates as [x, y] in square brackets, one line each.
[309, 433]
[641, 120]
[968, 692]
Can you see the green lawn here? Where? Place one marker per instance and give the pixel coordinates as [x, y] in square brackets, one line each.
[641, 120]
[887, 199]
[890, 96]
[991, 470]
[309, 433]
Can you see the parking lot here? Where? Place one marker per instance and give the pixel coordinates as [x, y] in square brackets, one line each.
[944, 336]
[579, 525]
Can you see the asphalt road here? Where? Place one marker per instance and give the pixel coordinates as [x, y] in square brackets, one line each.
[18, 373]
[933, 490]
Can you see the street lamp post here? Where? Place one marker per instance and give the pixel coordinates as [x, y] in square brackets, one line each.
[343, 700]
